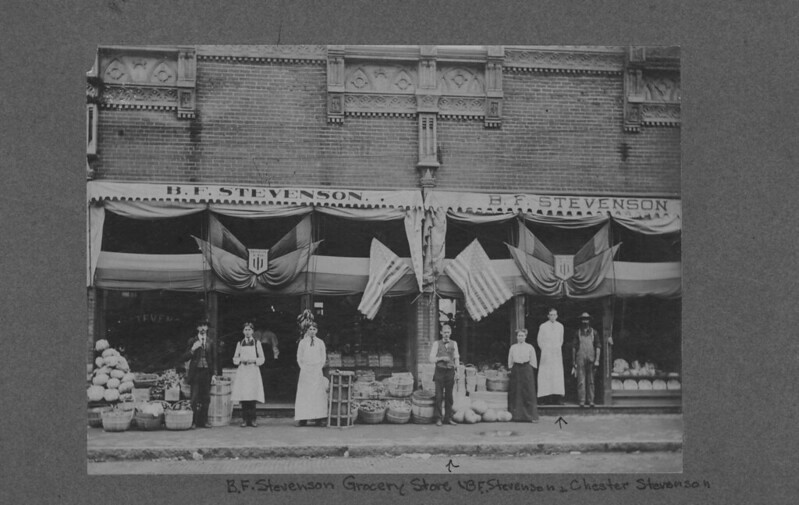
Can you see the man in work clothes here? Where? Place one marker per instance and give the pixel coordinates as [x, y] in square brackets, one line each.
[585, 355]
[444, 355]
[201, 368]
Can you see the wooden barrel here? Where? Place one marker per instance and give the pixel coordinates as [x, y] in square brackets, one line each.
[422, 407]
[220, 408]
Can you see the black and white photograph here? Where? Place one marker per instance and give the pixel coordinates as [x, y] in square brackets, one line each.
[384, 259]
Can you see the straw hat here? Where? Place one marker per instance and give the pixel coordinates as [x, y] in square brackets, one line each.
[584, 315]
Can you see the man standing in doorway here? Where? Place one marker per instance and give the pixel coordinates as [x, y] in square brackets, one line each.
[201, 368]
[585, 356]
[444, 355]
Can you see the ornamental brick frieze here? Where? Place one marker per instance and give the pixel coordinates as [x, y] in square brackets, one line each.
[652, 91]
[461, 107]
[380, 104]
[569, 61]
[264, 53]
[144, 78]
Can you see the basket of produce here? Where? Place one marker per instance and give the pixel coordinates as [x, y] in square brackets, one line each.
[179, 416]
[144, 380]
[185, 391]
[150, 416]
[96, 415]
[372, 412]
[117, 420]
[400, 386]
[398, 411]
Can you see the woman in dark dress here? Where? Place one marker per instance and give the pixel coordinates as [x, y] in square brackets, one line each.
[522, 364]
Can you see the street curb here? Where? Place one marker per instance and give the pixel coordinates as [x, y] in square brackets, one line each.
[104, 455]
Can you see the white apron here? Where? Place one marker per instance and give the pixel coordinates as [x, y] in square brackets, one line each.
[311, 400]
[247, 385]
[550, 371]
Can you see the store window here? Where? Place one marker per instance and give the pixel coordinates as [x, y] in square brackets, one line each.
[484, 343]
[151, 328]
[152, 236]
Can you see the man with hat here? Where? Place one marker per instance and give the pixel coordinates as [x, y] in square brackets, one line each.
[200, 354]
[586, 349]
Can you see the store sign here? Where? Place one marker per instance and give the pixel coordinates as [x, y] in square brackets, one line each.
[102, 190]
[258, 260]
[555, 204]
[564, 267]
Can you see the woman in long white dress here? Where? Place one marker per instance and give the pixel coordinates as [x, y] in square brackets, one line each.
[248, 387]
[550, 372]
[311, 400]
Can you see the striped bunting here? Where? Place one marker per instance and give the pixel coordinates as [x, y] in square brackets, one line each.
[385, 269]
[483, 290]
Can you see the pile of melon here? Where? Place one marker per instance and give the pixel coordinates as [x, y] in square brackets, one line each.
[111, 379]
[478, 411]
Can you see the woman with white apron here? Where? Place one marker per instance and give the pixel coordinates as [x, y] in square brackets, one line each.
[311, 400]
[248, 387]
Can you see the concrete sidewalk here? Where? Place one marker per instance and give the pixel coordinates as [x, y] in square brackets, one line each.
[278, 437]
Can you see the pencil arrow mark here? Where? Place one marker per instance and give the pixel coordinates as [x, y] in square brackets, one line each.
[560, 422]
[451, 465]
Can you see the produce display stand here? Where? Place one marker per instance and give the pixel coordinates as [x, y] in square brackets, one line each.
[670, 397]
[339, 400]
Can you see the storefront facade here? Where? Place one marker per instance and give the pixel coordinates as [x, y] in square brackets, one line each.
[201, 158]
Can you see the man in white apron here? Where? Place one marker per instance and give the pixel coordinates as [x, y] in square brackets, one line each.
[550, 371]
[248, 387]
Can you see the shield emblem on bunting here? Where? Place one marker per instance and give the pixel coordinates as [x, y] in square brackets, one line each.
[564, 267]
[259, 260]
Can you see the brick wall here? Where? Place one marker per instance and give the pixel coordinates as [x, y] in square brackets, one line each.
[560, 133]
[265, 123]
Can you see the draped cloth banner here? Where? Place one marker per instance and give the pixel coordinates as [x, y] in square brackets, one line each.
[385, 270]
[483, 290]
[287, 258]
[591, 265]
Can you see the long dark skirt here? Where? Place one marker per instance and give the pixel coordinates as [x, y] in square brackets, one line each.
[521, 393]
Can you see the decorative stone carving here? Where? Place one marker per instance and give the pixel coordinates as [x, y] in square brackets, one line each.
[380, 79]
[335, 107]
[652, 88]
[461, 81]
[660, 114]
[146, 78]
[365, 104]
[452, 106]
[581, 61]
[428, 149]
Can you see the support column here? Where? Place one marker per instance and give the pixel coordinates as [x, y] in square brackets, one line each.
[93, 317]
[213, 326]
[517, 317]
[427, 328]
[607, 350]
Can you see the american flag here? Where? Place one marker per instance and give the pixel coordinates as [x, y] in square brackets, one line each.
[385, 269]
[483, 289]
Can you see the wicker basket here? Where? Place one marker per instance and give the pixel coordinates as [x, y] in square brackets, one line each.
[117, 420]
[96, 416]
[178, 419]
[148, 422]
[499, 383]
[400, 386]
[371, 417]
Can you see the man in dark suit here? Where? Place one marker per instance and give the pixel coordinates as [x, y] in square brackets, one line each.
[201, 355]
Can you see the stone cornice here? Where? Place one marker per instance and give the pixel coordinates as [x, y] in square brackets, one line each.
[565, 60]
[264, 53]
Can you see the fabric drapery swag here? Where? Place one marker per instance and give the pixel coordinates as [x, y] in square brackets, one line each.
[287, 257]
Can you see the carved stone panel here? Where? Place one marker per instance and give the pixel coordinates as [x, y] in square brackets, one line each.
[456, 106]
[124, 69]
[380, 104]
[368, 78]
[460, 81]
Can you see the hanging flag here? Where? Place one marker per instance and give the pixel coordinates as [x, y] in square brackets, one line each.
[483, 289]
[297, 238]
[539, 274]
[532, 246]
[220, 236]
[598, 244]
[385, 270]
